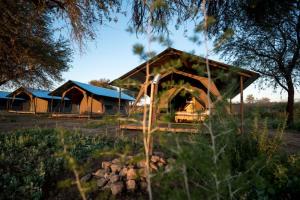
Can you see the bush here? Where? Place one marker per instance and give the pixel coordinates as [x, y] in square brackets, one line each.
[30, 161]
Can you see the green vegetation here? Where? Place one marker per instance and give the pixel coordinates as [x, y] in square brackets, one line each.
[251, 166]
[32, 163]
[273, 113]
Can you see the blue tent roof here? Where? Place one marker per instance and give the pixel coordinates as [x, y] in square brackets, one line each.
[4, 95]
[44, 94]
[102, 91]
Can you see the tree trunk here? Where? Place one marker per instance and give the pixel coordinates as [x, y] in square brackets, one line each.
[290, 103]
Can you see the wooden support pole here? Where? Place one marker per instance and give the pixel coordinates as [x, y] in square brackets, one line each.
[51, 106]
[91, 113]
[34, 101]
[230, 106]
[119, 101]
[242, 103]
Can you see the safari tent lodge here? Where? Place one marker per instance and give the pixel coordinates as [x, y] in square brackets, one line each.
[92, 100]
[30, 100]
[182, 84]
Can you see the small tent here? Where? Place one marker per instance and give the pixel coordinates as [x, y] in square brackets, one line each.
[90, 99]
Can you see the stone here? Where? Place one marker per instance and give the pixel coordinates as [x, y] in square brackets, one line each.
[99, 173]
[123, 172]
[114, 178]
[143, 185]
[131, 166]
[142, 172]
[116, 161]
[86, 178]
[131, 174]
[141, 164]
[106, 164]
[101, 182]
[160, 165]
[117, 188]
[115, 168]
[107, 176]
[161, 160]
[155, 159]
[153, 166]
[131, 185]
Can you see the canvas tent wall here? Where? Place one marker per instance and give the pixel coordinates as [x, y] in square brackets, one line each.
[89, 99]
[34, 100]
[5, 101]
[182, 72]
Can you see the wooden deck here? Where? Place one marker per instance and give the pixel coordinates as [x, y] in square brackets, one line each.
[74, 115]
[171, 127]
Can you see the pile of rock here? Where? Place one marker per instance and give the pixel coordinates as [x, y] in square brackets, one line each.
[126, 174]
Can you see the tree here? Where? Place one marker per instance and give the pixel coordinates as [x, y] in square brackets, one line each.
[33, 46]
[250, 98]
[102, 82]
[264, 100]
[29, 54]
[265, 38]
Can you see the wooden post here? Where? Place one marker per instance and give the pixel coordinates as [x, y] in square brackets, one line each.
[51, 106]
[230, 106]
[34, 102]
[242, 103]
[119, 101]
[91, 113]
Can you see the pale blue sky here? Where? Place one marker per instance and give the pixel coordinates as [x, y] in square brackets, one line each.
[110, 56]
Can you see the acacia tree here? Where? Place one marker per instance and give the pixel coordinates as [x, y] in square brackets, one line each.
[267, 42]
[33, 46]
[29, 54]
[102, 82]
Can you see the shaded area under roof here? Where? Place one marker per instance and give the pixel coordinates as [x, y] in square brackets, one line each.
[99, 91]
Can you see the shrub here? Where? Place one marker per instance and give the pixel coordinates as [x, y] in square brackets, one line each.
[30, 161]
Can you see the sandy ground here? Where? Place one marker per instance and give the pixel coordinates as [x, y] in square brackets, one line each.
[11, 122]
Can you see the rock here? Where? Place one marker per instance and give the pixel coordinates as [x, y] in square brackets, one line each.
[141, 164]
[160, 165]
[116, 161]
[161, 160]
[115, 168]
[143, 185]
[107, 176]
[155, 159]
[131, 185]
[86, 178]
[142, 172]
[105, 165]
[131, 174]
[131, 166]
[123, 172]
[117, 188]
[99, 173]
[114, 178]
[101, 182]
[153, 166]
